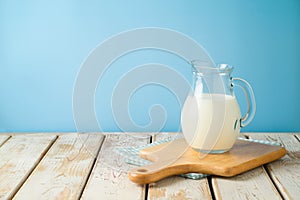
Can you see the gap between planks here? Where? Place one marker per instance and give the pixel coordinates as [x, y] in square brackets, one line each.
[297, 136]
[92, 167]
[3, 139]
[272, 180]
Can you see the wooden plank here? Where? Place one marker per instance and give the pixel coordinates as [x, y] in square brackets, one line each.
[3, 138]
[19, 155]
[178, 187]
[109, 178]
[254, 184]
[285, 172]
[64, 170]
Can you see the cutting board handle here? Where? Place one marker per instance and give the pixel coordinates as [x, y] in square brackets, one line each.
[155, 172]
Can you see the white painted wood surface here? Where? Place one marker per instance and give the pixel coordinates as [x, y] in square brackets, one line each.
[39, 166]
[18, 157]
[64, 170]
[285, 172]
[109, 178]
[178, 188]
[254, 184]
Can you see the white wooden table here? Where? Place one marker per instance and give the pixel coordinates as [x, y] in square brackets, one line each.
[84, 166]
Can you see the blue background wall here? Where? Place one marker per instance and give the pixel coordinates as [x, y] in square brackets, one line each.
[43, 44]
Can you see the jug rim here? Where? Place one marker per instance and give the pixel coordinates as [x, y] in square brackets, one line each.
[202, 67]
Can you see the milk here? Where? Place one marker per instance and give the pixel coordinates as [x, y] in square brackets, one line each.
[211, 122]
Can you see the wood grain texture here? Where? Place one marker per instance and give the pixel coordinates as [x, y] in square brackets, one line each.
[254, 184]
[39, 166]
[109, 178]
[285, 172]
[179, 188]
[19, 156]
[64, 169]
[176, 157]
[176, 187]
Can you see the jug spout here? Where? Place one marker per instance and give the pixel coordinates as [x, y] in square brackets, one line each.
[225, 67]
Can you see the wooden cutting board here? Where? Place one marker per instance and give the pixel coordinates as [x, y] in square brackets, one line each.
[176, 157]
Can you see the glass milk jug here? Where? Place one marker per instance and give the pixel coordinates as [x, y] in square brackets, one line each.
[211, 118]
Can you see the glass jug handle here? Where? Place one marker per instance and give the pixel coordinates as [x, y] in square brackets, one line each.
[247, 89]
